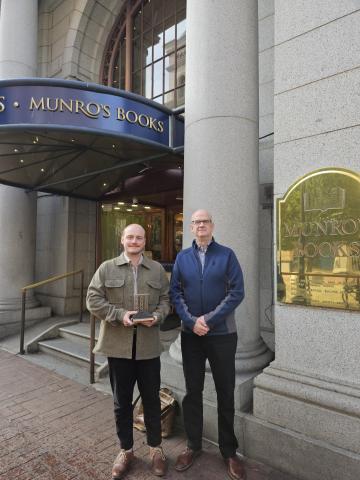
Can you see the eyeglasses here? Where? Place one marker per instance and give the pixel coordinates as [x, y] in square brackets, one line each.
[198, 222]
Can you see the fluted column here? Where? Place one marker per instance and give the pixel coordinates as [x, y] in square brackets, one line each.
[221, 147]
[18, 58]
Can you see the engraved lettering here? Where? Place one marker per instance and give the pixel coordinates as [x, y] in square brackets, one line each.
[349, 226]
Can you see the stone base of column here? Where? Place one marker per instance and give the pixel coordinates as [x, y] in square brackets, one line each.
[324, 410]
[296, 454]
[248, 365]
[11, 304]
[172, 376]
[310, 426]
[254, 358]
[10, 320]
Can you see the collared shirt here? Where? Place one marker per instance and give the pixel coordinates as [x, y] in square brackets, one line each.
[134, 270]
[202, 249]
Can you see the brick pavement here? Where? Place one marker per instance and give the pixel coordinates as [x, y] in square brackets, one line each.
[52, 428]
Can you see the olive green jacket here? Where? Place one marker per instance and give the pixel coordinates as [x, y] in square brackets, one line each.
[111, 294]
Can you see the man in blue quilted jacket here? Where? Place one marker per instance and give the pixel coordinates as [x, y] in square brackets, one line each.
[206, 287]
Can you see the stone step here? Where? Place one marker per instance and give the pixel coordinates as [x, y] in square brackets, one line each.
[72, 351]
[79, 333]
[66, 367]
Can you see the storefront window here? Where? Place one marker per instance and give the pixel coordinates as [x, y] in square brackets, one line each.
[146, 51]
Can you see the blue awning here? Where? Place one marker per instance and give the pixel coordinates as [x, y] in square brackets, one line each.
[82, 140]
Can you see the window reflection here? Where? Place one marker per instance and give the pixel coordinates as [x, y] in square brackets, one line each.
[158, 36]
[158, 78]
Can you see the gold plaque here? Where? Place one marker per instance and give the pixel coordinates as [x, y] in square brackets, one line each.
[318, 241]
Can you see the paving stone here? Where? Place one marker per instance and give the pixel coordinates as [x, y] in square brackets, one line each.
[53, 428]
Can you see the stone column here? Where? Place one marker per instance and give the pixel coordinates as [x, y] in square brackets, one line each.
[221, 152]
[18, 58]
[18, 38]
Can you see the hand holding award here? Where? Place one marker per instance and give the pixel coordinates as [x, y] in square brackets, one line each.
[141, 305]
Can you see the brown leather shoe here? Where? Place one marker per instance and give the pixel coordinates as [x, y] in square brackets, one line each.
[122, 464]
[158, 461]
[235, 468]
[186, 459]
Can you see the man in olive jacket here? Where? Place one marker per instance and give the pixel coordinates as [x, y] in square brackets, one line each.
[133, 350]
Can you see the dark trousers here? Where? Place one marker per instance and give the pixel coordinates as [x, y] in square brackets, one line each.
[123, 375]
[220, 351]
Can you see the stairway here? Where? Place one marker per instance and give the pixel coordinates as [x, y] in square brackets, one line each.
[62, 344]
[69, 343]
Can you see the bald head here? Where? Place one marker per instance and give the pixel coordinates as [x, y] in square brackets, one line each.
[201, 213]
[133, 227]
[133, 241]
[202, 226]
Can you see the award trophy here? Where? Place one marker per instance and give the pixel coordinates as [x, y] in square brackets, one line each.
[141, 304]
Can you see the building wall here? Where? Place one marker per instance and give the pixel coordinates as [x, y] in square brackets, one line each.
[72, 38]
[307, 402]
[65, 242]
[316, 125]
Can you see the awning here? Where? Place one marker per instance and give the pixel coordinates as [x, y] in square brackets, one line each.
[82, 140]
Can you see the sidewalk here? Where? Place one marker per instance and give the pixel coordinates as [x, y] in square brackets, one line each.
[52, 428]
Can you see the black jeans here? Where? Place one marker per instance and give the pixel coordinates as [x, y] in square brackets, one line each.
[123, 375]
[220, 351]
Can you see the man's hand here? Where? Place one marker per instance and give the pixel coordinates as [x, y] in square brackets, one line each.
[127, 320]
[200, 327]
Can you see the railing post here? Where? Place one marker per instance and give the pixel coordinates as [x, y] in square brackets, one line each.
[81, 295]
[92, 345]
[22, 331]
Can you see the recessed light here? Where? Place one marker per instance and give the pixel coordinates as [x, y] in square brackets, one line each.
[104, 184]
[134, 205]
[116, 208]
[129, 209]
[42, 169]
[121, 203]
[16, 150]
[147, 208]
[21, 160]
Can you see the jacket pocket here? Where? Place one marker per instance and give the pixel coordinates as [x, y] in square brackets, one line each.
[115, 290]
[154, 291]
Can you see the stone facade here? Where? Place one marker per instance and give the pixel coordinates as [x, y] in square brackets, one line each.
[305, 105]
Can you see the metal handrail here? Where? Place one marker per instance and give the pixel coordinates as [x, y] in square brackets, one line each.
[92, 345]
[44, 282]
